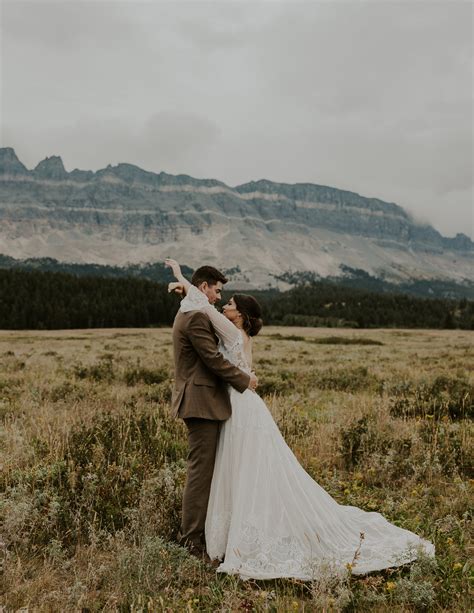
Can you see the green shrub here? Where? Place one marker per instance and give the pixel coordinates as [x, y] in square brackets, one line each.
[290, 337]
[141, 374]
[159, 393]
[158, 511]
[445, 396]
[102, 370]
[34, 509]
[151, 566]
[67, 391]
[294, 424]
[342, 340]
[353, 439]
[98, 480]
[364, 438]
[416, 589]
[347, 380]
[10, 389]
[270, 383]
[448, 446]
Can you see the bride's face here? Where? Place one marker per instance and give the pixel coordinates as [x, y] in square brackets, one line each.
[231, 312]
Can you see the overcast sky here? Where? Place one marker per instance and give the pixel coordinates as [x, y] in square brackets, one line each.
[373, 97]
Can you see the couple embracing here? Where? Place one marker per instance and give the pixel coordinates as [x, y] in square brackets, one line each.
[248, 504]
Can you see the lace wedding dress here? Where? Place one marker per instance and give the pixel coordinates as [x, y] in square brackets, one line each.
[267, 517]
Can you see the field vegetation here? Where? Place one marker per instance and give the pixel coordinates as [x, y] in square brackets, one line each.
[93, 466]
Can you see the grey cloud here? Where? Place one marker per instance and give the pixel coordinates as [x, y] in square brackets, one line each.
[374, 97]
[65, 25]
[166, 141]
[178, 136]
[212, 36]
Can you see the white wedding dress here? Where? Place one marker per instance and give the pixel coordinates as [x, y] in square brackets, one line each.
[267, 517]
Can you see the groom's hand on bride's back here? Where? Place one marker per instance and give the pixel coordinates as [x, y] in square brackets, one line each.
[253, 381]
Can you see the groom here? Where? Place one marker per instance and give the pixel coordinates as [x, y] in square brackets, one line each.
[201, 399]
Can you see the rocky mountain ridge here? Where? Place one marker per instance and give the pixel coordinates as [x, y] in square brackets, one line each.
[124, 214]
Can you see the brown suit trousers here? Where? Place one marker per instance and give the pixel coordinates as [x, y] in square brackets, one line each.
[202, 442]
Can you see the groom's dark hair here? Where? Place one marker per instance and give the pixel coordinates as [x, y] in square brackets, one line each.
[209, 274]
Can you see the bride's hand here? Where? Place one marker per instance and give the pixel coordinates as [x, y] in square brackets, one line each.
[175, 267]
[176, 287]
[253, 382]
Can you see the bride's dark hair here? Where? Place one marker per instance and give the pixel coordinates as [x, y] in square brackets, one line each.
[251, 313]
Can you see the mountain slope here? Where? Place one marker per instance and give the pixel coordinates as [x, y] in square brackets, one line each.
[123, 214]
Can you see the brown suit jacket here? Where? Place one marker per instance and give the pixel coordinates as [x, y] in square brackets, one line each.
[201, 371]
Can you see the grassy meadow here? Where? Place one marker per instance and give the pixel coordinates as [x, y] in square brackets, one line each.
[92, 466]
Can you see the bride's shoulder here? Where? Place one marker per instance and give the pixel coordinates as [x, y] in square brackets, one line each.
[247, 340]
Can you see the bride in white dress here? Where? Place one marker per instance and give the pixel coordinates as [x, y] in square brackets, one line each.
[267, 518]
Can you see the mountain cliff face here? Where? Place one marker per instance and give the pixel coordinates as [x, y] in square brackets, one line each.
[123, 214]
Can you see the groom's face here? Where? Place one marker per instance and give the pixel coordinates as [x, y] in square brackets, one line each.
[213, 292]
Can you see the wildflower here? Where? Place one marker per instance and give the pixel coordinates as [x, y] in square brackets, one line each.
[449, 541]
[457, 566]
[295, 605]
[262, 594]
[390, 586]
[349, 566]
[347, 491]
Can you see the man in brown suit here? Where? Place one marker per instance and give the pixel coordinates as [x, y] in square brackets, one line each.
[201, 399]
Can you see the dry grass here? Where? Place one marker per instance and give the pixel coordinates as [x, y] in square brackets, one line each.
[92, 466]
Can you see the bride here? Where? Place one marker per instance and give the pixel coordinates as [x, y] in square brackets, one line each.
[267, 518]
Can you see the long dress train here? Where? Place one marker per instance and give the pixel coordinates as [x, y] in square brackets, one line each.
[268, 518]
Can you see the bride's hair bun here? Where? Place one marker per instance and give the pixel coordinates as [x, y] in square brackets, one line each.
[256, 324]
[251, 313]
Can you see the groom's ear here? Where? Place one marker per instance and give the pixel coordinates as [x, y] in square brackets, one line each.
[203, 286]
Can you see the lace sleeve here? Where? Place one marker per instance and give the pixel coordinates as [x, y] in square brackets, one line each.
[195, 300]
[225, 329]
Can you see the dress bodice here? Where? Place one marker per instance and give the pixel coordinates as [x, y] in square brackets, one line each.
[236, 353]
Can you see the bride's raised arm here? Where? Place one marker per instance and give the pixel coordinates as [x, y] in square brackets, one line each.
[176, 268]
[225, 329]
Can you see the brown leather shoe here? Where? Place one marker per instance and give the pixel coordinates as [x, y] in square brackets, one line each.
[195, 550]
[202, 556]
[207, 560]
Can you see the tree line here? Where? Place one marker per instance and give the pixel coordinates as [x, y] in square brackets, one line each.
[50, 300]
[355, 278]
[332, 305]
[56, 300]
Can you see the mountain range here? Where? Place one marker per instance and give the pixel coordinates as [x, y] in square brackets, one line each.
[263, 233]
